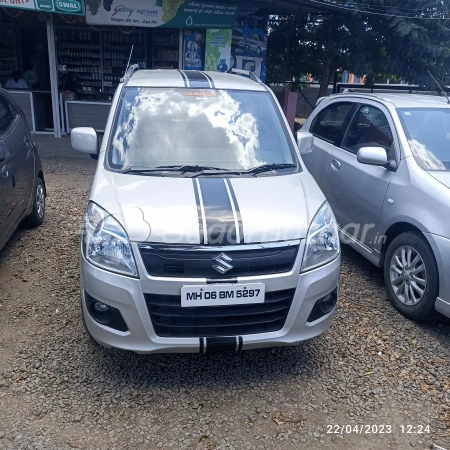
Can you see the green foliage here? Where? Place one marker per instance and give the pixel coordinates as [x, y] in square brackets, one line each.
[381, 46]
[352, 46]
[414, 45]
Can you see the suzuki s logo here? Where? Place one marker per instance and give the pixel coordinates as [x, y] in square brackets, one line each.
[222, 263]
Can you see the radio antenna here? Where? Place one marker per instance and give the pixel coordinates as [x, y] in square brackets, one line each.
[129, 59]
[440, 88]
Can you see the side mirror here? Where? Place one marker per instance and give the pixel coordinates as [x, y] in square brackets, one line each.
[375, 156]
[84, 139]
[305, 142]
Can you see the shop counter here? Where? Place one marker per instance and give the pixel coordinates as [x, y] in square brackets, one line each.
[37, 107]
[86, 113]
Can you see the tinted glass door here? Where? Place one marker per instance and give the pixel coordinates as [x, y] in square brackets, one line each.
[326, 128]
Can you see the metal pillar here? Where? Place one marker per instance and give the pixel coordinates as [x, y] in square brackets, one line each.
[53, 76]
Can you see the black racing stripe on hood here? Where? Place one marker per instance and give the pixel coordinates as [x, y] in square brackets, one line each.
[210, 79]
[219, 216]
[196, 79]
[238, 211]
[199, 211]
[183, 75]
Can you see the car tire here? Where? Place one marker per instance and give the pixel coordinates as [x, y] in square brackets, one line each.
[37, 215]
[411, 290]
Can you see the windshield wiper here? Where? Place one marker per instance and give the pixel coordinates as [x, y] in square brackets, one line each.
[254, 171]
[200, 170]
[196, 168]
[269, 167]
[176, 168]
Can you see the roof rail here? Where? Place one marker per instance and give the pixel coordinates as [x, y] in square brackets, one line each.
[246, 72]
[130, 71]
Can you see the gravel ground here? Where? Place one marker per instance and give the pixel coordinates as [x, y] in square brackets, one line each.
[60, 391]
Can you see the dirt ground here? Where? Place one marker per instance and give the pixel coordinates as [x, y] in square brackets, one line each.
[60, 391]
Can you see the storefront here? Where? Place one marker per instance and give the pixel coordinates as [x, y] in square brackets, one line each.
[27, 57]
[80, 59]
[91, 61]
[27, 53]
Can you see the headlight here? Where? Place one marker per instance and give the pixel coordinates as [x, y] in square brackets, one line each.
[322, 242]
[106, 244]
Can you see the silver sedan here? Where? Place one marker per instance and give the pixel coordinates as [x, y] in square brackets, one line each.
[383, 162]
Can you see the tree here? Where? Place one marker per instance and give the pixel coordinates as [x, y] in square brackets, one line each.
[320, 48]
[415, 39]
[400, 39]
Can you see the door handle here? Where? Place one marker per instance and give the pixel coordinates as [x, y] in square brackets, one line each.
[335, 164]
[5, 171]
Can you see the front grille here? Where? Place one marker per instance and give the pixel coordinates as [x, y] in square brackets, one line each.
[169, 319]
[186, 262]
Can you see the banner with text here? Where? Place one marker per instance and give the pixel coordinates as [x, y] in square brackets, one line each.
[160, 13]
[218, 50]
[75, 7]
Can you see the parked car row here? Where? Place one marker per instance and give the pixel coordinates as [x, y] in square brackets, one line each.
[226, 241]
[205, 231]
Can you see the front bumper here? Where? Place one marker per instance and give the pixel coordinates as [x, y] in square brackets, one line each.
[126, 294]
[441, 250]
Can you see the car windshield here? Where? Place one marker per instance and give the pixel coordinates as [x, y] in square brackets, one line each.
[428, 134]
[220, 129]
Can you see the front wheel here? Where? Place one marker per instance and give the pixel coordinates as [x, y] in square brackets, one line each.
[411, 276]
[37, 215]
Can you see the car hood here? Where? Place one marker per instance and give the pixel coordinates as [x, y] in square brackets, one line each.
[443, 177]
[206, 210]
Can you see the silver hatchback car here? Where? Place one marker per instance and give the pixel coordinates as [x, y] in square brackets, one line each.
[204, 232]
[383, 162]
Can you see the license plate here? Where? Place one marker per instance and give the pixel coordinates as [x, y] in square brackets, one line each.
[222, 294]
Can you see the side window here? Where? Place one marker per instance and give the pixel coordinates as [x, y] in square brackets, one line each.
[328, 122]
[369, 127]
[7, 116]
